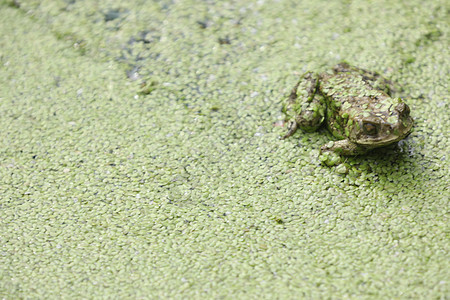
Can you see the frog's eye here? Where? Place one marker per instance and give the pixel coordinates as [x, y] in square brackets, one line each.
[370, 128]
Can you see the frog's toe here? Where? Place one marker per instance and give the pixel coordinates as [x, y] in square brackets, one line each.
[330, 158]
[292, 128]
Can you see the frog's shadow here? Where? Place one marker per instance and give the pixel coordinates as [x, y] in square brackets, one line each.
[392, 157]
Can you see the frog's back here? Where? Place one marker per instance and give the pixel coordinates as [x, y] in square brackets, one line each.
[349, 90]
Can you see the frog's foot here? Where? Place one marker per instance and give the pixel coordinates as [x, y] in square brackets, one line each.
[343, 147]
[292, 128]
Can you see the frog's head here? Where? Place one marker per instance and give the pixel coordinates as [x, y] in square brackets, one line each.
[383, 128]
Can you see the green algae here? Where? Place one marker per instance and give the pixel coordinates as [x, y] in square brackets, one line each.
[185, 190]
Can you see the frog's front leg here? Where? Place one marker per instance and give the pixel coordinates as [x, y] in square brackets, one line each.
[343, 147]
[305, 107]
[331, 153]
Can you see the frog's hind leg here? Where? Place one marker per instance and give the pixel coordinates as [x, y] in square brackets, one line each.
[289, 110]
[309, 84]
[305, 108]
[312, 114]
[373, 78]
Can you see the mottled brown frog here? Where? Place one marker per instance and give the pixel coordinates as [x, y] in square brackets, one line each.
[355, 104]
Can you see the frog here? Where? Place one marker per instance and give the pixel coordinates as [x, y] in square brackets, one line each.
[357, 107]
